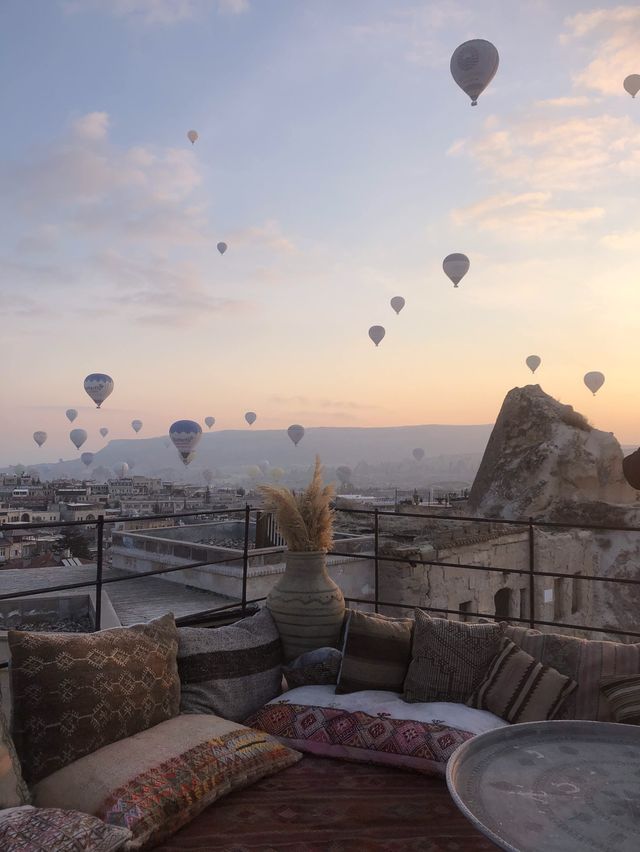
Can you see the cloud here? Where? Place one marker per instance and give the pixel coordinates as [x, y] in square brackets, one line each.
[622, 240]
[322, 403]
[578, 101]
[613, 35]
[269, 235]
[157, 12]
[528, 215]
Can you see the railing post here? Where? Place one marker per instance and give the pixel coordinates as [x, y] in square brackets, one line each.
[245, 556]
[375, 550]
[532, 577]
[99, 559]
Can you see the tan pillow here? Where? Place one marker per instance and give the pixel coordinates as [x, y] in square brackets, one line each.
[623, 695]
[449, 658]
[520, 689]
[13, 790]
[376, 652]
[76, 692]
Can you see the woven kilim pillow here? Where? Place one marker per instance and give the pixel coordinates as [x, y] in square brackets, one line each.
[376, 653]
[518, 688]
[13, 790]
[449, 658]
[230, 671]
[623, 695]
[74, 693]
[54, 830]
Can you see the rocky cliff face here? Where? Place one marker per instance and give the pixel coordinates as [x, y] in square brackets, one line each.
[543, 459]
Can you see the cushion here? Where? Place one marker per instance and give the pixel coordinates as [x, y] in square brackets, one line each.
[449, 658]
[13, 790]
[623, 695]
[230, 671]
[158, 780]
[373, 726]
[76, 692]
[587, 661]
[53, 830]
[314, 667]
[520, 689]
[376, 652]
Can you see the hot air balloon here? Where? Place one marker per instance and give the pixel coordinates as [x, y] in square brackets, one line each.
[418, 453]
[71, 414]
[344, 474]
[473, 66]
[222, 247]
[78, 437]
[99, 386]
[632, 84]
[39, 438]
[122, 469]
[277, 473]
[185, 435]
[296, 433]
[397, 303]
[264, 467]
[250, 417]
[533, 362]
[192, 136]
[136, 425]
[631, 469]
[209, 421]
[253, 471]
[104, 431]
[86, 459]
[376, 333]
[594, 381]
[207, 475]
[456, 267]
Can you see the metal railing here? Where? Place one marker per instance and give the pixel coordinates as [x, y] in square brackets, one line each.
[531, 571]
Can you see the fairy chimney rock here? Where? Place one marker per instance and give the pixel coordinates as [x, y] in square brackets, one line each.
[542, 457]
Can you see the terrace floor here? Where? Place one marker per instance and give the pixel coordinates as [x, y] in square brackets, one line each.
[322, 805]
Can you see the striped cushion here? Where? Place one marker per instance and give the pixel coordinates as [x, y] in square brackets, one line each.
[376, 653]
[623, 695]
[520, 689]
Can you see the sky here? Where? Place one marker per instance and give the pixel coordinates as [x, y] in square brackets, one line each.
[341, 164]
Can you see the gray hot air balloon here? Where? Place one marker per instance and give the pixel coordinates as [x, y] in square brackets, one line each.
[207, 475]
[222, 247]
[71, 414]
[397, 303]
[104, 431]
[296, 433]
[376, 333]
[456, 267]
[122, 469]
[39, 437]
[473, 66]
[594, 381]
[86, 459]
[209, 421]
[344, 474]
[185, 435]
[264, 467]
[533, 362]
[250, 417]
[418, 453]
[136, 425]
[192, 136]
[632, 84]
[99, 386]
[78, 437]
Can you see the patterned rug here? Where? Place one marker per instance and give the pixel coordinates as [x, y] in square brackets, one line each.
[322, 805]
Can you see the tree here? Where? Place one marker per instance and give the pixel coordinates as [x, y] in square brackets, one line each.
[75, 543]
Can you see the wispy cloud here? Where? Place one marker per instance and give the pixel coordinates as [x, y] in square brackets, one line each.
[622, 240]
[577, 101]
[268, 235]
[157, 12]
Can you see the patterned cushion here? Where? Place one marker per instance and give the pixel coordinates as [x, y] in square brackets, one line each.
[587, 661]
[623, 695]
[53, 830]
[449, 658]
[315, 667]
[75, 692]
[356, 735]
[376, 652]
[520, 689]
[158, 780]
[232, 670]
[13, 790]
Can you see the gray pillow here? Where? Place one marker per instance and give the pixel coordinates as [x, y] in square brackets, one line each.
[230, 671]
[318, 667]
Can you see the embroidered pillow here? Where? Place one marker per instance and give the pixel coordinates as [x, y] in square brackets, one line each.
[231, 670]
[13, 790]
[158, 780]
[520, 689]
[449, 658]
[376, 653]
[53, 830]
[319, 667]
[76, 692]
[623, 695]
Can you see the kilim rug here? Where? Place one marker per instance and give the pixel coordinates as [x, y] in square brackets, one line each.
[322, 805]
